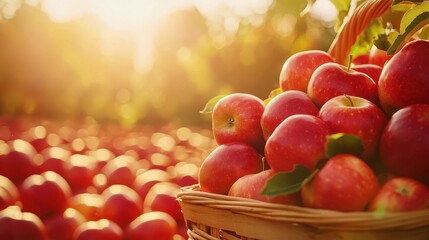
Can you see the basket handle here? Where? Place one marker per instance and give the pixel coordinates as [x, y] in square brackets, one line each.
[350, 30]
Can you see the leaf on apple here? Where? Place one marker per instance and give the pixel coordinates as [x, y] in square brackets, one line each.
[412, 21]
[284, 183]
[339, 143]
[208, 108]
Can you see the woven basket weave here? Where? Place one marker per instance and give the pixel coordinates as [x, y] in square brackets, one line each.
[213, 216]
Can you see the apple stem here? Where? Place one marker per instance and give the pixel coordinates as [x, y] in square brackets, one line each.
[350, 63]
[350, 99]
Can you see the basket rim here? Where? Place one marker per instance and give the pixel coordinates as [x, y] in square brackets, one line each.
[320, 218]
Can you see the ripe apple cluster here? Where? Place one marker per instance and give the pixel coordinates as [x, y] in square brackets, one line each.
[85, 180]
[381, 100]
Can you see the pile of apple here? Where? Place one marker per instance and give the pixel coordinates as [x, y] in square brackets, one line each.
[345, 138]
[77, 180]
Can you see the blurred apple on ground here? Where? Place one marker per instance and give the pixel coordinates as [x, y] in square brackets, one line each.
[15, 224]
[152, 225]
[102, 229]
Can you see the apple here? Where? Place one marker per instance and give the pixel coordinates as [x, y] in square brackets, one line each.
[298, 68]
[88, 204]
[357, 116]
[404, 144]
[145, 180]
[45, 194]
[102, 229]
[404, 79]
[285, 104]
[9, 194]
[299, 139]
[17, 161]
[152, 225]
[372, 70]
[80, 172]
[251, 186]
[236, 118]
[226, 164]
[15, 224]
[361, 59]
[401, 194]
[62, 226]
[332, 79]
[345, 183]
[122, 205]
[163, 197]
[120, 170]
[377, 56]
[55, 159]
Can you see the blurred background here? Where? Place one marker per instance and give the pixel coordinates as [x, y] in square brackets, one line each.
[139, 61]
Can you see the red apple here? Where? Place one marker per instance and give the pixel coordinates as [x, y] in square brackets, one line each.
[145, 180]
[372, 70]
[122, 205]
[357, 116]
[102, 229]
[298, 68]
[80, 172]
[62, 226]
[17, 161]
[55, 159]
[152, 225]
[226, 164]
[88, 204]
[121, 170]
[401, 194]
[285, 104]
[378, 57]
[9, 194]
[162, 197]
[332, 79]
[361, 59]
[299, 139]
[405, 79]
[236, 118]
[45, 194]
[15, 224]
[251, 186]
[404, 144]
[345, 183]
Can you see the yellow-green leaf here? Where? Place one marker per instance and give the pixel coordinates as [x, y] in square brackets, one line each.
[411, 15]
[208, 108]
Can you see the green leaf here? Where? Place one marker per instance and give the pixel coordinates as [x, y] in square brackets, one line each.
[343, 143]
[367, 37]
[284, 183]
[412, 21]
[406, 1]
[208, 108]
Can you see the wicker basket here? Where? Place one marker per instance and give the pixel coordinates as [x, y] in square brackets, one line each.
[212, 216]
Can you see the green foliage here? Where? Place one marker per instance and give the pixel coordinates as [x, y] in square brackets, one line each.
[339, 143]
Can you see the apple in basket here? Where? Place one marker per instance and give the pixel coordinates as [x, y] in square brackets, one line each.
[226, 164]
[345, 183]
[283, 105]
[236, 118]
[404, 144]
[306, 62]
[299, 139]
[251, 186]
[332, 79]
[358, 116]
[401, 194]
[405, 79]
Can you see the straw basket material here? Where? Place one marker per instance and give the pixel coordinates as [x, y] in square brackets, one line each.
[213, 216]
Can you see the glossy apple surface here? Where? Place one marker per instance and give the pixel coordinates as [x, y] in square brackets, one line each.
[404, 144]
[236, 118]
[345, 183]
[300, 139]
[405, 79]
[15, 224]
[226, 164]
[152, 225]
[298, 68]
[401, 194]
[357, 116]
[284, 105]
[332, 79]
[102, 229]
